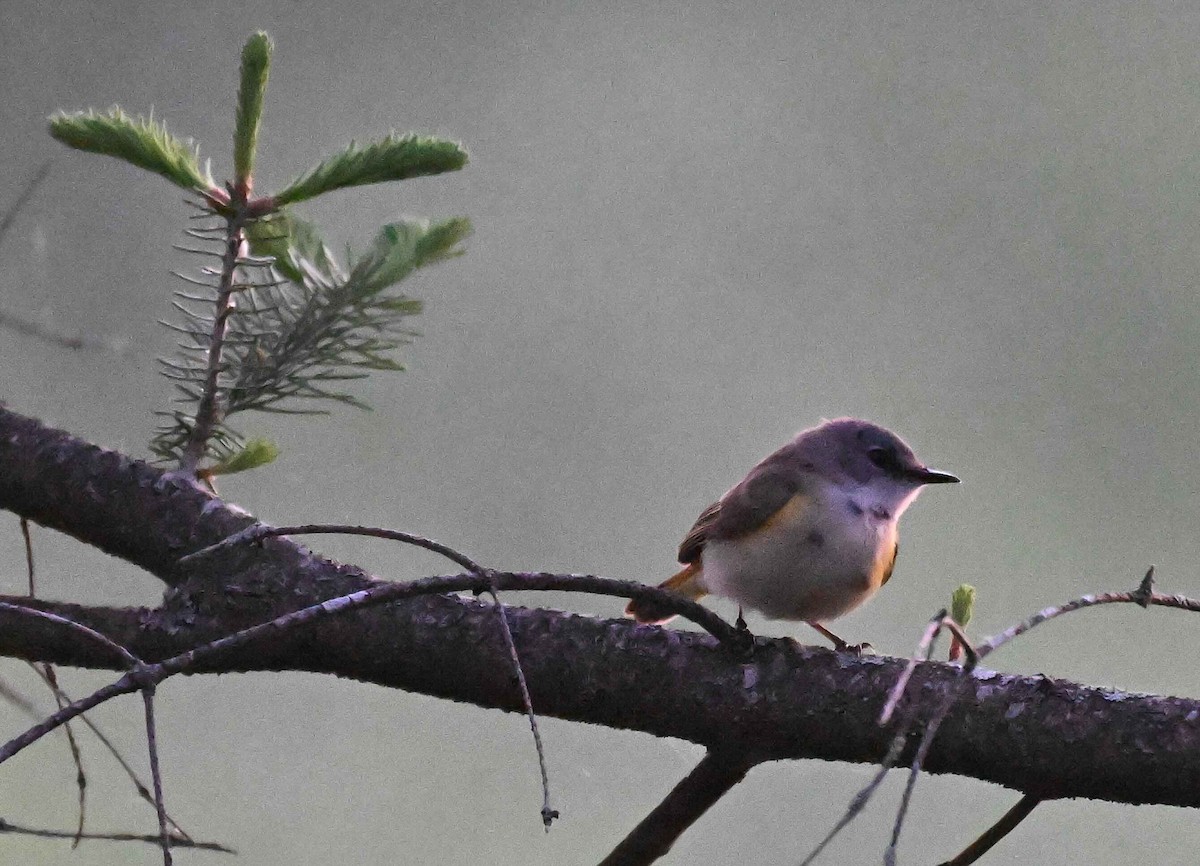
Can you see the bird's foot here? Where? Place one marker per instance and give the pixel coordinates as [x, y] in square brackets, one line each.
[744, 644]
[840, 646]
[855, 649]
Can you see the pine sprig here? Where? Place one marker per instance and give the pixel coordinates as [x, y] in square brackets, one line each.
[136, 140]
[397, 157]
[331, 328]
[294, 344]
[278, 324]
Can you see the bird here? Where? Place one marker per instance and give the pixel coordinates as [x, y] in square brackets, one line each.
[809, 534]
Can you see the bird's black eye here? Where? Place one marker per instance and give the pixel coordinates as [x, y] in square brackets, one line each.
[884, 458]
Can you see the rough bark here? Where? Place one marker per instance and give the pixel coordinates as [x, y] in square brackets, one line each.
[1044, 736]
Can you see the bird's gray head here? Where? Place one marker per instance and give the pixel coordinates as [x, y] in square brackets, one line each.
[855, 453]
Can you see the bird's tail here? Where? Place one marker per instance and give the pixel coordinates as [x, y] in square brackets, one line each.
[687, 583]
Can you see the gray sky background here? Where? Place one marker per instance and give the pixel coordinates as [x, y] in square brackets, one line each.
[698, 228]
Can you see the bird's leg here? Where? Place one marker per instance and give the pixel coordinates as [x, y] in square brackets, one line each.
[840, 645]
[744, 643]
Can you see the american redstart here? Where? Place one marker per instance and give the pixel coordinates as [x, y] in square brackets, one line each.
[810, 533]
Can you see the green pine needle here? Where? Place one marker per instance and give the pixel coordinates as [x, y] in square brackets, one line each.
[394, 158]
[139, 141]
[291, 241]
[401, 247]
[256, 66]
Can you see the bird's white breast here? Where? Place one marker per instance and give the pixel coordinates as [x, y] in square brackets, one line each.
[820, 556]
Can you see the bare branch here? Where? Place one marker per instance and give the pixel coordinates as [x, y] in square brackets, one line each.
[143, 675]
[46, 672]
[55, 720]
[28, 556]
[63, 698]
[860, 800]
[209, 411]
[549, 814]
[1141, 596]
[176, 841]
[711, 779]
[923, 653]
[785, 701]
[155, 774]
[23, 198]
[927, 737]
[996, 832]
[259, 531]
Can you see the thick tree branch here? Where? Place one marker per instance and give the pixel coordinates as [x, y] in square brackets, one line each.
[1045, 737]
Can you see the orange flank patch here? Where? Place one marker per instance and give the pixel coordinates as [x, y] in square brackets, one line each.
[791, 513]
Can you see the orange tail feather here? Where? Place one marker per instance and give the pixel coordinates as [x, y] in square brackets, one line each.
[686, 582]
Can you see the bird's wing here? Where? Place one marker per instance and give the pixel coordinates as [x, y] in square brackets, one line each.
[747, 506]
[693, 542]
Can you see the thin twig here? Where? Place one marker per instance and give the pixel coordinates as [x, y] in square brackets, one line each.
[943, 620]
[923, 652]
[963, 643]
[155, 775]
[139, 786]
[931, 729]
[123, 686]
[259, 531]
[548, 813]
[18, 700]
[47, 673]
[717, 772]
[176, 841]
[25, 326]
[859, 801]
[1142, 596]
[531, 581]
[209, 409]
[88, 632]
[996, 832]
[28, 556]
[66, 339]
[21, 200]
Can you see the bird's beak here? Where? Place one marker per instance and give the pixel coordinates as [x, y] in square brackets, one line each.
[931, 476]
